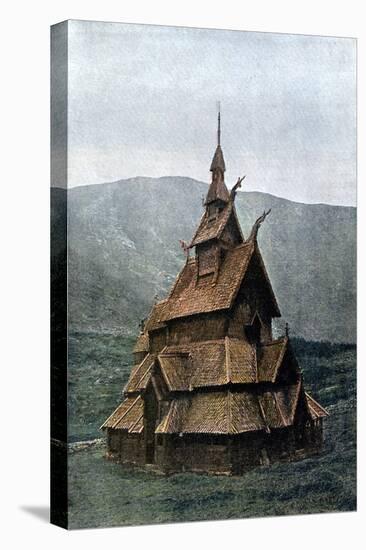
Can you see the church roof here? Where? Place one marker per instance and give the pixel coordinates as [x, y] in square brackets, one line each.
[140, 375]
[228, 412]
[129, 416]
[186, 367]
[218, 160]
[142, 343]
[217, 190]
[209, 229]
[154, 321]
[207, 364]
[211, 363]
[316, 410]
[190, 296]
[270, 360]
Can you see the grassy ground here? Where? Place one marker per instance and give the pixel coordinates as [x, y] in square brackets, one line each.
[99, 367]
[106, 494]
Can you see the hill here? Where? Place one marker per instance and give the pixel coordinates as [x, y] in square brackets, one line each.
[124, 250]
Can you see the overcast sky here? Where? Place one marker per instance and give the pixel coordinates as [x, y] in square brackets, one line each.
[143, 102]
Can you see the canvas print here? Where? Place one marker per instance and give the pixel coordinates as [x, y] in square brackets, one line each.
[203, 258]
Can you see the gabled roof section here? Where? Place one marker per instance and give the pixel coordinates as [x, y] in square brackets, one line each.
[153, 321]
[128, 416]
[280, 405]
[315, 410]
[142, 343]
[241, 361]
[209, 229]
[189, 298]
[176, 369]
[258, 255]
[270, 359]
[140, 375]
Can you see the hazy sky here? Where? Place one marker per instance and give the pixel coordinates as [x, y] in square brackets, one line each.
[143, 102]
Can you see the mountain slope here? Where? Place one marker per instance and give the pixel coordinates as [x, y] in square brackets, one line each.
[124, 249]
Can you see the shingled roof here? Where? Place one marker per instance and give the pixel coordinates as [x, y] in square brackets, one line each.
[270, 359]
[142, 343]
[316, 410]
[129, 416]
[218, 160]
[154, 321]
[140, 375]
[212, 228]
[207, 364]
[210, 363]
[189, 296]
[232, 412]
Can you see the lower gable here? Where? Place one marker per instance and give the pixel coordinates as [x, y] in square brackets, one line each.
[289, 370]
[256, 289]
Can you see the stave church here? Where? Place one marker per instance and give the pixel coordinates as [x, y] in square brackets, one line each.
[211, 390]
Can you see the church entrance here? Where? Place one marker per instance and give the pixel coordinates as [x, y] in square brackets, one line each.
[150, 417]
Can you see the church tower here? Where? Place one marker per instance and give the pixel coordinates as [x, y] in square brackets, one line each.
[219, 229]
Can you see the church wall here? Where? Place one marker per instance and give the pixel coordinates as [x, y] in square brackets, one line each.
[157, 339]
[309, 436]
[126, 447]
[210, 326]
[242, 315]
[246, 451]
[219, 454]
[194, 453]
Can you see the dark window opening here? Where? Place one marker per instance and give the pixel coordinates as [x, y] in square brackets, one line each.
[253, 331]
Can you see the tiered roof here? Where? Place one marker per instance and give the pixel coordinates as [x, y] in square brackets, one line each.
[187, 367]
[224, 386]
[219, 362]
[230, 412]
[249, 396]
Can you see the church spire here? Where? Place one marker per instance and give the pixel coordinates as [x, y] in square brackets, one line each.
[218, 127]
[218, 189]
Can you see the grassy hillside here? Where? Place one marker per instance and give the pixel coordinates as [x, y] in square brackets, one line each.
[107, 494]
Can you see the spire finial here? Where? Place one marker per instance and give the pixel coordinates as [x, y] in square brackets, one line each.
[218, 123]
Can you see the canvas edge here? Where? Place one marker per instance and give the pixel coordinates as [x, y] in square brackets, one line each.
[58, 239]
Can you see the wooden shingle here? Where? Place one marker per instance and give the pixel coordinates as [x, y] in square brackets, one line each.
[140, 375]
[128, 416]
[316, 410]
[228, 412]
[189, 298]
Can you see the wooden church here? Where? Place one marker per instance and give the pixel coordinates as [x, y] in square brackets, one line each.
[211, 390]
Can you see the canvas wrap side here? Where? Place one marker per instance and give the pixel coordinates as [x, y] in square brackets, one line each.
[59, 489]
